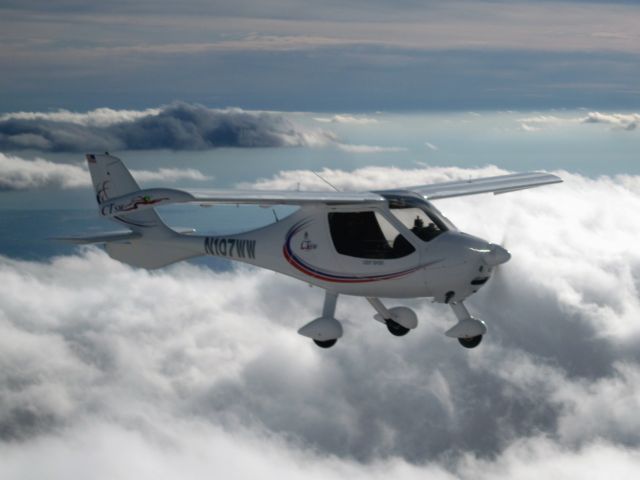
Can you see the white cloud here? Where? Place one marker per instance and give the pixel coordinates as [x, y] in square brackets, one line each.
[17, 173]
[345, 118]
[625, 121]
[431, 146]
[100, 117]
[101, 362]
[368, 148]
[368, 178]
[169, 175]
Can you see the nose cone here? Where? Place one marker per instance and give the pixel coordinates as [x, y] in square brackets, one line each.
[496, 255]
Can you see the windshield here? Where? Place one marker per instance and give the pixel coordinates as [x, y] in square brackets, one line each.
[422, 218]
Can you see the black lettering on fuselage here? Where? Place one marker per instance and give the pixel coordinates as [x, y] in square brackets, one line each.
[230, 247]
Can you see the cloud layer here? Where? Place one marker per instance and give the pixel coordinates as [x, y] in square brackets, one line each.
[186, 371]
[619, 121]
[178, 126]
[17, 173]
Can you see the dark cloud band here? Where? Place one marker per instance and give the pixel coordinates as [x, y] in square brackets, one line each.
[178, 126]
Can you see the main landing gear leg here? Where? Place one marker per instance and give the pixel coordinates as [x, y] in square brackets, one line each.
[399, 320]
[468, 330]
[326, 330]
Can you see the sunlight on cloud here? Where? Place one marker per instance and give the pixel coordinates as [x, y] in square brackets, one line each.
[189, 372]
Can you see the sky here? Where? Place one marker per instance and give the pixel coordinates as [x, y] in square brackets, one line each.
[196, 369]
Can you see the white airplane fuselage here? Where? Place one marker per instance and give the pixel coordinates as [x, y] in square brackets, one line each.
[301, 246]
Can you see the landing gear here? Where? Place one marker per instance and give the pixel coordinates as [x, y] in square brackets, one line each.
[399, 320]
[468, 330]
[472, 342]
[395, 328]
[326, 330]
[325, 343]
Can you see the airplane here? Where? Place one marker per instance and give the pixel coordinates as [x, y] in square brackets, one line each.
[378, 244]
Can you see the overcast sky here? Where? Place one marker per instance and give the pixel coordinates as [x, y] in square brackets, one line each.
[304, 55]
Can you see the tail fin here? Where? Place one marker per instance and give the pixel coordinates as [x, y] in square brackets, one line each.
[111, 179]
[152, 243]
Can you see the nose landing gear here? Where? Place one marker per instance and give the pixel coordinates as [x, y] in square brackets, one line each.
[468, 330]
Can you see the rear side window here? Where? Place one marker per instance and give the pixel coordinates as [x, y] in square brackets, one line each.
[367, 235]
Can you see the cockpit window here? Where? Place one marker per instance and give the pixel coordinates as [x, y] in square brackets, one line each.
[367, 235]
[425, 226]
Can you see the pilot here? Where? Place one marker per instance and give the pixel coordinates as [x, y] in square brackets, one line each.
[425, 233]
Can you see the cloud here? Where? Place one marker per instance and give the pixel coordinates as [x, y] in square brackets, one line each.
[100, 117]
[17, 173]
[99, 361]
[626, 121]
[368, 178]
[178, 126]
[431, 146]
[623, 121]
[368, 148]
[351, 119]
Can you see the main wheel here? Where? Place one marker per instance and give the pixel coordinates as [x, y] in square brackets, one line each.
[325, 343]
[395, 328]
[471, 342]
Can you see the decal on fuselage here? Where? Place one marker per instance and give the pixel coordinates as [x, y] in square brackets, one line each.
[230, 247]
[133, 204]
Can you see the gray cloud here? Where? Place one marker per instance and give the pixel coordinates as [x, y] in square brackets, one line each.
[178, 126]
[103, 360]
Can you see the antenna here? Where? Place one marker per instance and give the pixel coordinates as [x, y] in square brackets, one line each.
[326, 181]
[275, 214]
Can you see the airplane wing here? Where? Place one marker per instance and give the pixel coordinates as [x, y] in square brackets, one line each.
[282, 197]
[496, 185]
[155, 197]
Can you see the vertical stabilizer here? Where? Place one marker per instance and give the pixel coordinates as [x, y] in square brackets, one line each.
[111, 179]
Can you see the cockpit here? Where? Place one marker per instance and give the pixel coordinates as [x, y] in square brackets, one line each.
[423, 219]
[369, 234]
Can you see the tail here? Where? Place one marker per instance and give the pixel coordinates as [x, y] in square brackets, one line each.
[151, 243]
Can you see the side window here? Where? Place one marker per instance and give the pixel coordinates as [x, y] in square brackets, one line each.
[367, 235]
[421, 224]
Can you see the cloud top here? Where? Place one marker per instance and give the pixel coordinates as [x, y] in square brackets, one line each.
[100, 362]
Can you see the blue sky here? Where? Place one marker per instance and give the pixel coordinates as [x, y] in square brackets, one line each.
[196, 370]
